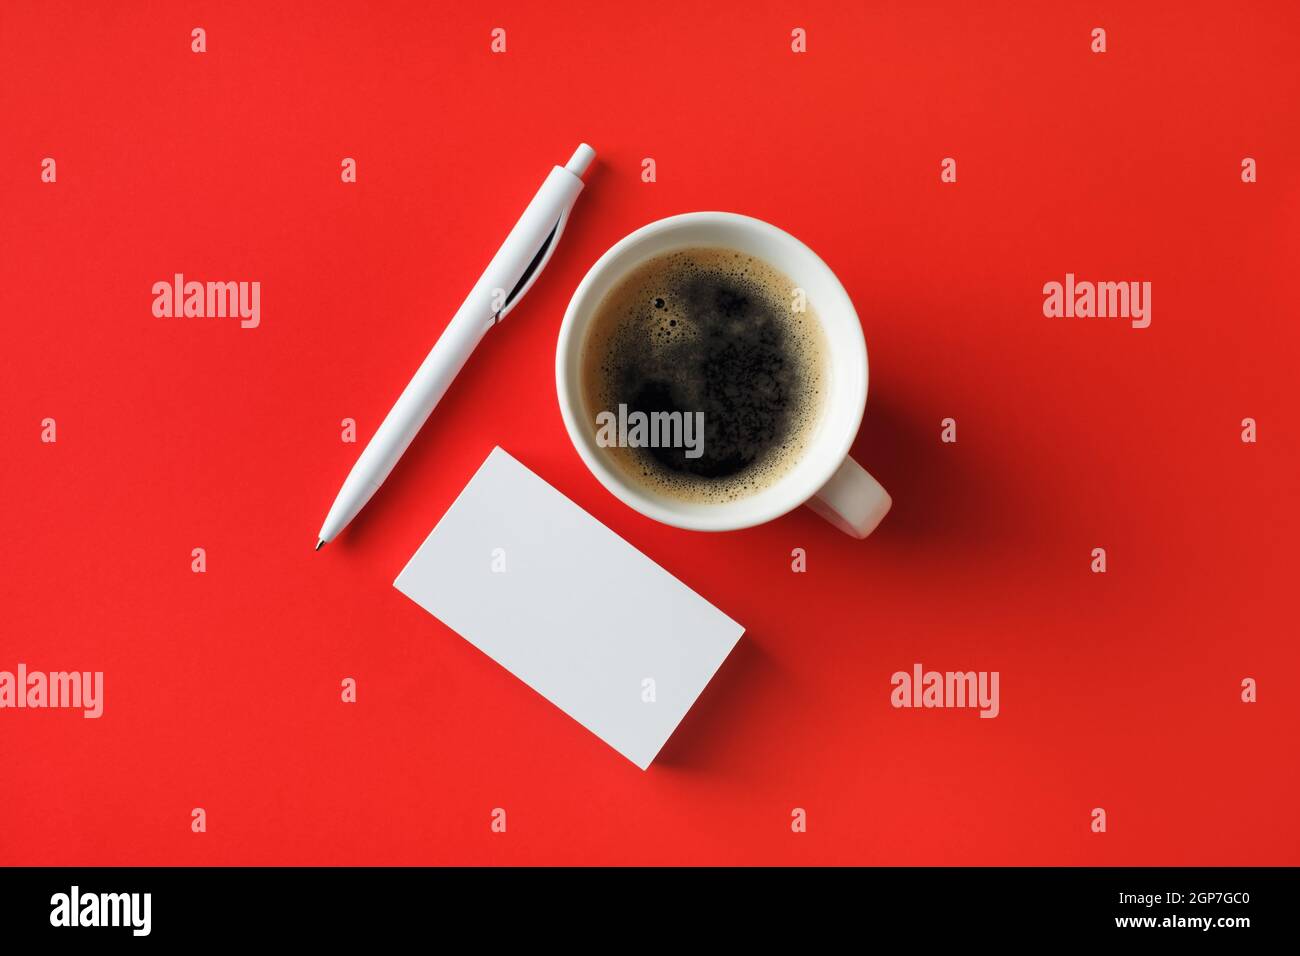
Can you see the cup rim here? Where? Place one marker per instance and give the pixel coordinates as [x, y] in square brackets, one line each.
[724, 517]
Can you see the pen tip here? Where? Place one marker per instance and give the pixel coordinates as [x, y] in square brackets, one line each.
[319, 542]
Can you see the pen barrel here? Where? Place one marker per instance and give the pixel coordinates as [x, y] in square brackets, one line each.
[509, 274]
[467, 327]
[423, 392]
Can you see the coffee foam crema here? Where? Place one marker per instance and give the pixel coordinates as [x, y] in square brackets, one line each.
[716, 332]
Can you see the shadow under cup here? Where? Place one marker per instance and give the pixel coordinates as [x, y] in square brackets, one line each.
[845, 368]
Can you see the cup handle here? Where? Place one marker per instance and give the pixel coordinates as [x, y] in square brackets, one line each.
[852, 500]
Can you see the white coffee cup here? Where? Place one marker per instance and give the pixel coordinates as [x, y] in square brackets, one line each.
[825, 478]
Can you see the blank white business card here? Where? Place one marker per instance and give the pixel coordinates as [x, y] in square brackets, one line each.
[569, 607]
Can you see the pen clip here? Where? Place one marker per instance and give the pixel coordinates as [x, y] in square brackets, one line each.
[536, 234]
[534, 268]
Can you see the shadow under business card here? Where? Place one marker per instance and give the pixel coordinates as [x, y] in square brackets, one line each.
[728, 705]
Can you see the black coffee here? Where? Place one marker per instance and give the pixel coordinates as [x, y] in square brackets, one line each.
[717, 355]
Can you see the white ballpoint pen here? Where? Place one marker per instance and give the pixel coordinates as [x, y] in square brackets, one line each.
[508, 277]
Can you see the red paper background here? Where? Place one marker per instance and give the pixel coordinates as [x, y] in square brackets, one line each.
[1119, 690]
